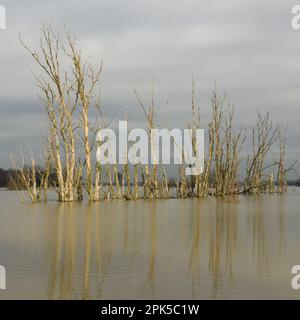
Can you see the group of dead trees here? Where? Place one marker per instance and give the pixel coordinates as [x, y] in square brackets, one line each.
[68, 95]
[222, 170]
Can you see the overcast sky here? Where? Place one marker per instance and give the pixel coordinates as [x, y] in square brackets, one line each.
[248, 47]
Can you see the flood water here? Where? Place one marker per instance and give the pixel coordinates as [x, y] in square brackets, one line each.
[240, 248]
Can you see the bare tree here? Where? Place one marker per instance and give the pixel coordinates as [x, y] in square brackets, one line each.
[66, 92]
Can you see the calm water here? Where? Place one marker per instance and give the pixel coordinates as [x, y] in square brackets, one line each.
[168, 249]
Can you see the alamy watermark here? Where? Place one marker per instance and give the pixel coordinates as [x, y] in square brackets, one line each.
[2, 18]
[295, 283]
[158, 146]
[295, 22]
[2, 278]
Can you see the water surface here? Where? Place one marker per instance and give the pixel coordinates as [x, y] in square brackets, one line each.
[240, 247]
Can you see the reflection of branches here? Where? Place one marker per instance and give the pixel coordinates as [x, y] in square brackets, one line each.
[223, 244]
[87, 255]
[149, 280]
[56, 253]
[194, 260]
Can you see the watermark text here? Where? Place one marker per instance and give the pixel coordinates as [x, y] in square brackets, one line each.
[295, 22]
[296, 279]
[157, 146]
[2, 18]
[2, 278]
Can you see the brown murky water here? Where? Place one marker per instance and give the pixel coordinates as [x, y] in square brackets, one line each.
[169, 249]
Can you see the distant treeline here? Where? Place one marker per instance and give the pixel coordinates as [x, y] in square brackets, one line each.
[293, 183]
[5, 177]
[9, 177]
[4, 174]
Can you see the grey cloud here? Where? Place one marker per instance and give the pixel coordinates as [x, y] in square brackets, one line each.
[248, 47]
